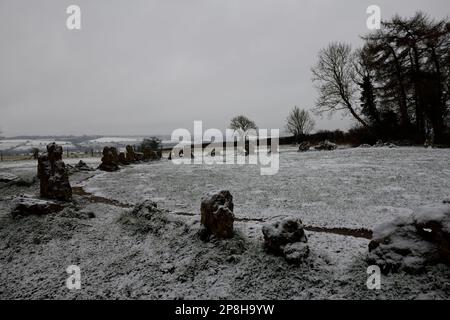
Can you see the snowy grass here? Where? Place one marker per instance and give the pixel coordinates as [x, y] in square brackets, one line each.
[344, 188]
[347, 188]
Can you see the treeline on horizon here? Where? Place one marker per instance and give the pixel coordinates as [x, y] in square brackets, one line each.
[396, 86]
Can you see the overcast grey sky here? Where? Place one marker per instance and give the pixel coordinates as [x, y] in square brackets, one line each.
[143, 67]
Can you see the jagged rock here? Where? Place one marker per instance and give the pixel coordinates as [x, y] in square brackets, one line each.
[286, 238]
[304, 146]
[82, 166]
[412, 242]
[217, 216]
[110, 159]
[130, 155]
[139, 156]
[123, 159]
[150, 155]
[326, 146]
[53, 175]
[32, 206]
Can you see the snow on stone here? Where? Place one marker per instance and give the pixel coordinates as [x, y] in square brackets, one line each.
[439, 213]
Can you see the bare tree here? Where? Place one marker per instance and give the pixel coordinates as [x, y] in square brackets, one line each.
[242, 124]
[334, 76]
[299, 122]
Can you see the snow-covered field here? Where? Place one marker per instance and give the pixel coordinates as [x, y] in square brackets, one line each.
[348, 188]
[22, 145]
[345, 188]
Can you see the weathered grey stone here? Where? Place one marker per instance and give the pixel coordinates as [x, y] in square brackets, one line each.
[123, 159]
[412, 242]
[110, 160]
[326, 146]
[304, 146]
[150, 155]
[82, 166]
[130, 155]
[217, 216]
[139, 156]
[286, 238]
[53, 175]
[31, 206]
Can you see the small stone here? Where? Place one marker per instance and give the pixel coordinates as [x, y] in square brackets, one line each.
[24, 206]
[82, 166]
[326, 146]
[278, 234]
[304, 146]
[286, 238]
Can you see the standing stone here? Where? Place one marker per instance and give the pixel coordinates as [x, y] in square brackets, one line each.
[123, 159]
[110, 159]
[139, 156]
[130, 156]
[53, 175]
[150, 155]
[217, 214]
[147, 154]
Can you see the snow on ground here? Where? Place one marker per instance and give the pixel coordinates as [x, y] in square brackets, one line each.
[355, 188]
[22, 145]
[114, 140]
[27, 168]
[344, 188]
